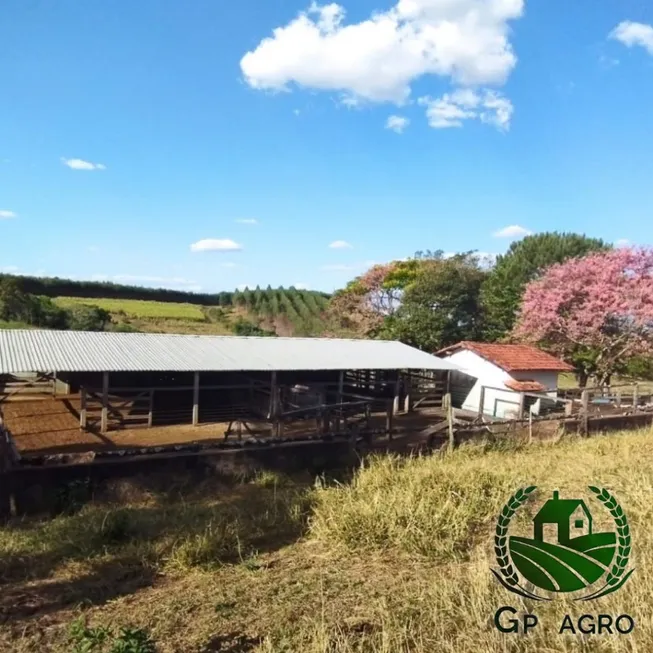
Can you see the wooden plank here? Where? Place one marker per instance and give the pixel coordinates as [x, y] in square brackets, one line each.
[196, 398]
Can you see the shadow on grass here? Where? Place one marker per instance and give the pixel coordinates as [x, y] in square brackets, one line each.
[125, 546]
[105, 580]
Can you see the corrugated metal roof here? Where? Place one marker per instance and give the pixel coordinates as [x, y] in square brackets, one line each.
[85, 351]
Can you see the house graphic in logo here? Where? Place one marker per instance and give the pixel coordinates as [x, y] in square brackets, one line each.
[569, 518]
[565, 554]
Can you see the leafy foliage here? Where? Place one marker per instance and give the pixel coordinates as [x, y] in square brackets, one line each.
[102, 639]
[441, 306]
[600, 305]
[524, 261]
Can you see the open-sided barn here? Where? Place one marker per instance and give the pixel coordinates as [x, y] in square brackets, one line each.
[113, 381]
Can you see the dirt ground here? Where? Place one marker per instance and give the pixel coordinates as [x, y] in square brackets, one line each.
[51, 425]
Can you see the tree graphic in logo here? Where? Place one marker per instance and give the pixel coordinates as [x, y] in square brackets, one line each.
[565, 554]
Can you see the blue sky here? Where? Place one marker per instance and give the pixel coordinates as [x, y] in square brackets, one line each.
[145, 141]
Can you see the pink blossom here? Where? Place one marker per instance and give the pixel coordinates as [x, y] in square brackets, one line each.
[603, 301]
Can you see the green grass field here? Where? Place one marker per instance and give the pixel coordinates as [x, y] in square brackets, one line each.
[395, 559]
[139, 309]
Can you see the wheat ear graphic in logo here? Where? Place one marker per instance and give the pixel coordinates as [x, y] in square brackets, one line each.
[564, 555]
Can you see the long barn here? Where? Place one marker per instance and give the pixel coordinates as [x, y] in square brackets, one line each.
[113, 381]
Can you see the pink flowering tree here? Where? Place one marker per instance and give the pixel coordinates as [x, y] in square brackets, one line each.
[602, 303]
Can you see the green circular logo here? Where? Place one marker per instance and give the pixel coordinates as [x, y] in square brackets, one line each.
[565, 554]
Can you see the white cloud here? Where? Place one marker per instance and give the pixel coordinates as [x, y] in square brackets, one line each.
[215, 245]
[247, 221]
[622, 242]
[452, 109]
[5, 214]
[377, 59]
[80, 164]
[9, 269]
[397, 123]
[244, 286]
[301, 286]
[512, 231]
[631, 34]
[340, 244]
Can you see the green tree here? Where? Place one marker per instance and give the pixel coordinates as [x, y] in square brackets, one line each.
[442, 305]
[88, 318]
[525, 259]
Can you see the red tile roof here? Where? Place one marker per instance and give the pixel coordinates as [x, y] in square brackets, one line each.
[511, 358]
[525, 386]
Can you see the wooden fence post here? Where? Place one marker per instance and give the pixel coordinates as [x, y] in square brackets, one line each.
[481, 402]
[569, 408]
[530, 426]
[449, 409]
[584, 412]
[196, 398]
[635, 396]
[104, 423]
[82, 410]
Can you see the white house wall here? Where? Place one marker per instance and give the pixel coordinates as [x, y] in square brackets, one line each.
[497, 402]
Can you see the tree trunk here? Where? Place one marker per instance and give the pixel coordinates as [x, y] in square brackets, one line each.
[582, 378]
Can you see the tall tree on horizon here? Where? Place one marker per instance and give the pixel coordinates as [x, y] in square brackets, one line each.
[524, 261]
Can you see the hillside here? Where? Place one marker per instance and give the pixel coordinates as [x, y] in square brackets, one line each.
[61, 303]
[397, 558]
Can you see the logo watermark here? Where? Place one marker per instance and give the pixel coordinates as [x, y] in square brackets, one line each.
[566, 555]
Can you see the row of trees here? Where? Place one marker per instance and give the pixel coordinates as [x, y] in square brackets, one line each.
[56, 287]
[572, 295]
[284, 310]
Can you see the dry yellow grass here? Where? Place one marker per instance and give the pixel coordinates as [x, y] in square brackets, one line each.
[395, 560]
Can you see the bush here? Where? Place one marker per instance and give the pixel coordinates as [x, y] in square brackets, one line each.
[102, 639]
[88, 318]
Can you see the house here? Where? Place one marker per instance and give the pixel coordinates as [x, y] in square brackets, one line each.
[495, 375]
[565, 519]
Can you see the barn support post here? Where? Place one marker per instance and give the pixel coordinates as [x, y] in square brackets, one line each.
[82, 409]
[408, 387]
[104, 423]
[54, 384]
[150, 412]
[388, 419]
[273, 396]
[481, 402]
[196, 398]
[584, 412]
[341, 382]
